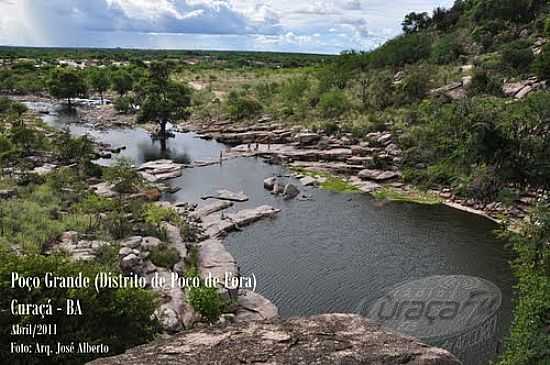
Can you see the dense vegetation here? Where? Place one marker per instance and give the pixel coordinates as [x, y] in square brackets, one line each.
[41, 208]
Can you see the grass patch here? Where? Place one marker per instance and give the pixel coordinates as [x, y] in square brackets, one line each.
[332, 182]
[412, 196]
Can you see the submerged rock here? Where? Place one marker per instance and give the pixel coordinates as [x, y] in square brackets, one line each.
[324, 339]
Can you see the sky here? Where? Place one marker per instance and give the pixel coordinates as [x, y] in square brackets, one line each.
[309, 26]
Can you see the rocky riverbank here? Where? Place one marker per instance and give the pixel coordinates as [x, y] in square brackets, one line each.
[213, 222]
[371, 164]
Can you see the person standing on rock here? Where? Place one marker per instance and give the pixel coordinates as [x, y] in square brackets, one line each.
[221, 158]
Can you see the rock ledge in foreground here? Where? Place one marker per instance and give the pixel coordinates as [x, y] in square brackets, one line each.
[325, 339]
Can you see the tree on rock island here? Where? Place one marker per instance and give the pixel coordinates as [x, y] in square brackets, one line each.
[163, 100]
[66, 84]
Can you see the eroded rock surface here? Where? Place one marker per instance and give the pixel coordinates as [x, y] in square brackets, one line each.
[325, 339]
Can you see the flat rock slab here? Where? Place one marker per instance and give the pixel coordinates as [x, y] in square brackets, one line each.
[249, 216]
[215, 260]
[324, 339]
[211, 208]
[227, 195]
[44, 169]
[160, 170]
[217, 225]
[378, 175]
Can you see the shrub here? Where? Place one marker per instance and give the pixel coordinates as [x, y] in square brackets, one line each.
[541, 66]
[124, 104]
[407, 49]
[333, 104]
[117, 223]
[446, 50]
[208, 302]
[240, 106]
[415, 86]
[512, 10]
[128, 312]
[123, 176]
[484, 84]
[164, 256]
[155, 215]
[483, 186]
[330, 127]
[528, 342]
[380, 92]
[518, 55]
[547, 26]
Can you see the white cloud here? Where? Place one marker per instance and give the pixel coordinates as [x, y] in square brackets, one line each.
[287, 25]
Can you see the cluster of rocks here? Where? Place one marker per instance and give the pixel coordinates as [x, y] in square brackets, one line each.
[455, 90]
[214, 261]
[105, 150]
[323, 339]
[288, 191]
[520, 89]
[368, 164]
[78, 249]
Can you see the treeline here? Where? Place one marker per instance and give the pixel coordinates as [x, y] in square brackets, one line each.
[198, 59]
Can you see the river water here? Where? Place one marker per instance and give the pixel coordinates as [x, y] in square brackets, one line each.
[337, 251]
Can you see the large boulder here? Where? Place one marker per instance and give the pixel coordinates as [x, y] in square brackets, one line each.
[269, 183]
[323, 339]
[254, 307]
[290, 192]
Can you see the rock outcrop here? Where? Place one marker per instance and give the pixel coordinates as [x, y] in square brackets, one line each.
[160, 170]
[325, 339]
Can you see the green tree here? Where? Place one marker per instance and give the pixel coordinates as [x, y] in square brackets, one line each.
[100, 81]
[165, 101]
[65, 83]
[122, 81]
[415, 22]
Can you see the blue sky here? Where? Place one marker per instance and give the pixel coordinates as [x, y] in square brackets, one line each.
[318, 26]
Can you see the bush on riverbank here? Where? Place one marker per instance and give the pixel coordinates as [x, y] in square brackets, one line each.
[164, 256]
[529, 340]
[118, 318]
